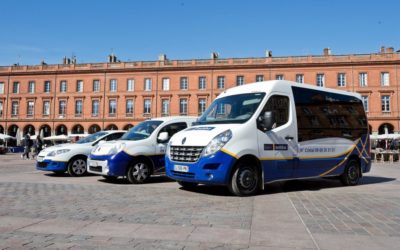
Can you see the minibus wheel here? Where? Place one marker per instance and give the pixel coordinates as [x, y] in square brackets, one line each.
[187, 185]
[351, 175]
[139, 172]
[245, 180]
[77, 166]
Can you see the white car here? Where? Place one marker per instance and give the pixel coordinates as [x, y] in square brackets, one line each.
[140, 152]
[72, 157]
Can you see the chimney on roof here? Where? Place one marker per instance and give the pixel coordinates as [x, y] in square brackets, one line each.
[214, 55]
[390, 50]
[327, 52]
[382, 49]
[112, 58]
[268, 53]
[162, 57]
[66, 60]
[43, 62]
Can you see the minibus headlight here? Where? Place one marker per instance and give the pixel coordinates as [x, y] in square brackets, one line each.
[168, 148]
[116, 149]
[217, 142]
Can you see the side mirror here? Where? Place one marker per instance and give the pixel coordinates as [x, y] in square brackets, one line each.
[163, 137]
[268, 120]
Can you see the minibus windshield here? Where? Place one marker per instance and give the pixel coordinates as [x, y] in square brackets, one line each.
[141, 131]
[232, 109]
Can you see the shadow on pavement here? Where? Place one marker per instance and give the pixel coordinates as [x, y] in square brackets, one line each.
[290, 186]
[151, 180]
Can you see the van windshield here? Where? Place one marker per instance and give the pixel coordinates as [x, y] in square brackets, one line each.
[141, 131]
[232, 109]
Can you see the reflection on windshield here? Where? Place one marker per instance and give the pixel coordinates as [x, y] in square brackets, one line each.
[141, 131]
[92, 137]
[232, 109]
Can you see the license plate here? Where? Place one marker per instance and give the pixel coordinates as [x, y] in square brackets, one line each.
[39, 158]
[181, 168]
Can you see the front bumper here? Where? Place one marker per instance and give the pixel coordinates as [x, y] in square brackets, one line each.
[49, 165]
[214, 169]
[111, 165]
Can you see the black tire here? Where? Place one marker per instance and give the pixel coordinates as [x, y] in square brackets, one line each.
[77, 167]
[245, 180]
[139, 172]
[352, 174]
[187, 185]
[110, 178]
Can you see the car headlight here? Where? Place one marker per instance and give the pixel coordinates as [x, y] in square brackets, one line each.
[167, 151]
[217, 143]
[116, 149]
[58, 152]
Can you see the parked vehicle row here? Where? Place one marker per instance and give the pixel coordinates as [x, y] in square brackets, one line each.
[250, 135]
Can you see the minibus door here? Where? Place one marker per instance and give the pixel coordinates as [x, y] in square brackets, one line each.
[277, 141]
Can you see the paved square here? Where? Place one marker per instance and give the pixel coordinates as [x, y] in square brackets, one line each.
[43, 211]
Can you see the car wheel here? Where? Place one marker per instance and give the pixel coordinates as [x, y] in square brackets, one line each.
[77, 166]
[351, 175]
[139, 172]
[245, 180]
[187, 185]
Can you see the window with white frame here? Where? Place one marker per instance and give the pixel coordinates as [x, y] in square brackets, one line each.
[259, 78]
[112, 107]
[165, 107]
[202, 105]
[279, 77]
[385, 100]
[147, 84]
[147, 106]
[165, 84]
[183, 106]
[46, 108]
[184, 83]
[239, 80]
[78, 107]
[320, 80]
[14, 108]
[63, 86]
[1, 87]
[385, 79]
[113, 85]
[79, 86]
[202, 82]
[129, 107]
[299, 78]
[221, 82]
[96, 85]
[95, 107]
[363, 79]
[47, 86]
[31, 87]
[30, 108]
[15, 87]
[364, 100]
[62, 108]
[341, 80]
[130, 85]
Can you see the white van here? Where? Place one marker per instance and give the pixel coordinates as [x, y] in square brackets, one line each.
[140, 152]
[269, 131]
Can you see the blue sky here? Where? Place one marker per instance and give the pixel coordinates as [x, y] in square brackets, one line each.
[36, 30]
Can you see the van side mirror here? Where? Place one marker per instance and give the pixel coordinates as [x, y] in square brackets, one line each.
[268, 120]
[163, 137]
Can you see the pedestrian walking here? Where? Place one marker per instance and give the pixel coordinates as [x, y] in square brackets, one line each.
[27, 146]
[37, 146]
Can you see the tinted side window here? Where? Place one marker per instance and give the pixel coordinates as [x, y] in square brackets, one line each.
[279, 105]
[113, 136]
[322, 114]
[173, 128]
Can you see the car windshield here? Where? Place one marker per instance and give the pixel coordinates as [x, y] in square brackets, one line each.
[92, 137]
[141, 131]
[232, 109]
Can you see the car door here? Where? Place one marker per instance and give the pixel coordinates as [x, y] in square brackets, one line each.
[278, 145]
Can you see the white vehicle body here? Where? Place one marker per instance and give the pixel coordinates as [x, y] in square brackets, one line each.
[140, 152]
[72, 157]
[269, 131]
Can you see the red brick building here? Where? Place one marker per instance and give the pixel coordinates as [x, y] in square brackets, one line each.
[84, 98]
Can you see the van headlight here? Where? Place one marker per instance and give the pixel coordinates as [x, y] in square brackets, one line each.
[58, 152]
[116, 149]
[217, 143]
[167, 151]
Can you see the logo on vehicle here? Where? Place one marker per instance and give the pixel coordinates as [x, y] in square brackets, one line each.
[183, 140]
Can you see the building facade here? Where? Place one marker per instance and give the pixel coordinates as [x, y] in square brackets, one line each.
[74, 98]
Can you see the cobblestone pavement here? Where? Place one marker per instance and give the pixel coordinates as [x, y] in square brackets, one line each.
[40, 210]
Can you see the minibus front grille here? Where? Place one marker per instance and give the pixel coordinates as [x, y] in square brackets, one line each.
[185, 153]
